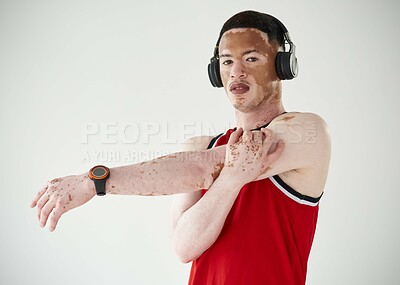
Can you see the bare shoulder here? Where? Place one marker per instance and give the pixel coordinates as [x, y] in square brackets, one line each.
[304, 130]
[305, 160]
[306, 121]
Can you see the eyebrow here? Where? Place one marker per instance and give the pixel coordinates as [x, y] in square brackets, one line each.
[243, 53]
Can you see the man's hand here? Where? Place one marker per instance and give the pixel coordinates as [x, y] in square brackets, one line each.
[60, 195]
[250, 153]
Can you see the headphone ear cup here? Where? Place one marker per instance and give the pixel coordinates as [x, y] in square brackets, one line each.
[214, 74]
[286, 65]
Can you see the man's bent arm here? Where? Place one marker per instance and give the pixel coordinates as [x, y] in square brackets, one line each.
[194, 228]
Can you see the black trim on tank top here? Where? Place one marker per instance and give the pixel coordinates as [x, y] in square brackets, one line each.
[210, 145]
[294, 192]
[266, 125]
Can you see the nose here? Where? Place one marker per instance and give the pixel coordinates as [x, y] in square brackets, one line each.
[238, 71]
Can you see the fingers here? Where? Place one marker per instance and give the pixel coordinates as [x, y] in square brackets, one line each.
[38, 196]
[56, 215]
[41, 203]
[56, 198]
[45, 212]
[51, 212]
[269, 137]
[273, 156]
[45, 202]
[247, 136]
[234, 137]
[258, 137]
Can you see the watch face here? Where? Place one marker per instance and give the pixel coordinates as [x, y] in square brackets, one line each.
[99, 172]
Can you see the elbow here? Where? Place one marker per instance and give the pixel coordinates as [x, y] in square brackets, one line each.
[184, 253]
[185, 259]
[190, 247]
[186, 250]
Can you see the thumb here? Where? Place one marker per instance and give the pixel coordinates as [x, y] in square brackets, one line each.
[235, 136]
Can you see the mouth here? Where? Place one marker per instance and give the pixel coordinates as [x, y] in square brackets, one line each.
[239, 88]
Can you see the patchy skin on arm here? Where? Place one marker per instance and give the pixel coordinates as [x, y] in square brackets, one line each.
[217, 170]
[201, 185]
[234, 153]
[266, 169]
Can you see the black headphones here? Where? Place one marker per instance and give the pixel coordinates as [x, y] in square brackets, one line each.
[285, 62]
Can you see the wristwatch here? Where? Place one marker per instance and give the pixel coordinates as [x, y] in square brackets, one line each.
[99, 174]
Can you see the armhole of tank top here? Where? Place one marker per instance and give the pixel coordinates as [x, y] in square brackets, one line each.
[214, 140]
[293, 194]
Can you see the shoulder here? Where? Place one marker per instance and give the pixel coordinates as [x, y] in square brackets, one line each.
[196, 143]
[302, 128]
[304, 163]
[302, 118]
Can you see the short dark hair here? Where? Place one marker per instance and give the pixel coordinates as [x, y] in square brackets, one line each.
[256, 20]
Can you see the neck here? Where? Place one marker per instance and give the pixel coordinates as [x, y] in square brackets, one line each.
[260, 116]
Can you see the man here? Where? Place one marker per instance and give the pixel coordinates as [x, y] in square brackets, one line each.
[247, 225]
[242, 231]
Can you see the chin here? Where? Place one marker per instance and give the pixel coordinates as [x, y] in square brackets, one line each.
[244, 108]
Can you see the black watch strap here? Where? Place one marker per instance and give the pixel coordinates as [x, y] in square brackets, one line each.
[99, 174]
[100, 187]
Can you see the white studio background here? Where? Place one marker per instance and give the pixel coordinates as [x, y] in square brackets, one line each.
[67, 65]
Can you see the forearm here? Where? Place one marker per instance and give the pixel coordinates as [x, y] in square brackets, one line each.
[170, 174]
[199, 226]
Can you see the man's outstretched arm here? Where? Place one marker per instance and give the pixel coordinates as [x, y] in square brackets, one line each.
[170, 174]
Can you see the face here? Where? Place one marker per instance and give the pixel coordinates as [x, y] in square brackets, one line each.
[247, 67]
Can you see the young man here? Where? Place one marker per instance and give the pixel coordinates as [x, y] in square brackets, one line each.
[254, 219]
[241, 231]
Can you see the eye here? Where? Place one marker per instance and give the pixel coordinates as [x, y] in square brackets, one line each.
[251, 59]
[227, 62]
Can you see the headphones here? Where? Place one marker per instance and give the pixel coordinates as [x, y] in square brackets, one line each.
[285, 62]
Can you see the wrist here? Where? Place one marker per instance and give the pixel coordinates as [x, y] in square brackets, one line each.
[230, 179]
[88, 184]
[99, 174]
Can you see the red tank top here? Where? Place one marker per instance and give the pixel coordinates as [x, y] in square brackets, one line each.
[266, 238]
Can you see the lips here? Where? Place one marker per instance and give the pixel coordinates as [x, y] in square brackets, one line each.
[238, 88]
